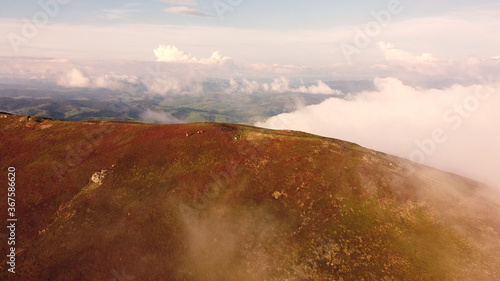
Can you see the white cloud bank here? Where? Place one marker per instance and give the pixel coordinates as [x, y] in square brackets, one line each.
[160, 83]
[152, 116]
[393, 54]
[280, 85]
[75, 78]
[319, 89]
[455, 129]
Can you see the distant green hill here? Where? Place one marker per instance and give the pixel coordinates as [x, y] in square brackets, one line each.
[103, 200]
[208, 107]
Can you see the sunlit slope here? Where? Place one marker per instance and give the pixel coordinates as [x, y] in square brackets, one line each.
[130, 201]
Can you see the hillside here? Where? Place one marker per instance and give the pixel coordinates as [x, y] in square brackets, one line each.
[102, 200]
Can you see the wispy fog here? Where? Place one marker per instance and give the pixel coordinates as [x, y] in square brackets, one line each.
[455, 128]
[151, 116]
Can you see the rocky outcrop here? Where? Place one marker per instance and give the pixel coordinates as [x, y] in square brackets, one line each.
[97, 177]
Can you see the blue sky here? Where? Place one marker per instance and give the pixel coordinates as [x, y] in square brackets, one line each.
[279, 14]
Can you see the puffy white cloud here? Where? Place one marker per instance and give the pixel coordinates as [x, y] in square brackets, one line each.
[320, 89]
[74, 79]
[173, 54]
[152, 116]
[156, 83]
[393, 54]
[246, 86]
[249, 87]
[455, 129]
[280, 85]
[173, 85]
[214, 59]
[111, 81]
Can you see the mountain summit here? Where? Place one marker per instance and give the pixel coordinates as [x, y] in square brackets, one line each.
[103, 200]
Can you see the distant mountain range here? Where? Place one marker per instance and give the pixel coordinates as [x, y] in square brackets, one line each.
[213, 105]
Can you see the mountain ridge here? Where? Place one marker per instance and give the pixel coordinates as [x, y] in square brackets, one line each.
[101, 199]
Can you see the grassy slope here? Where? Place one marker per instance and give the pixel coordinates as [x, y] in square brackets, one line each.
[235, 203]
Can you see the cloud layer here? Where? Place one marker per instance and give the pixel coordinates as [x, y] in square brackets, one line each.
[152, 116]
[173, 54]
[455, 129]
[280, 85]
[393, 54]
[75, 78]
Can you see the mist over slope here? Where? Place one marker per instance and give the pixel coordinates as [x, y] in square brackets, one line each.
[129, 201]
[453, 128]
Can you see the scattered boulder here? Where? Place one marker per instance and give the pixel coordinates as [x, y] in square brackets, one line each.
[97, 177]
[277, 194]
